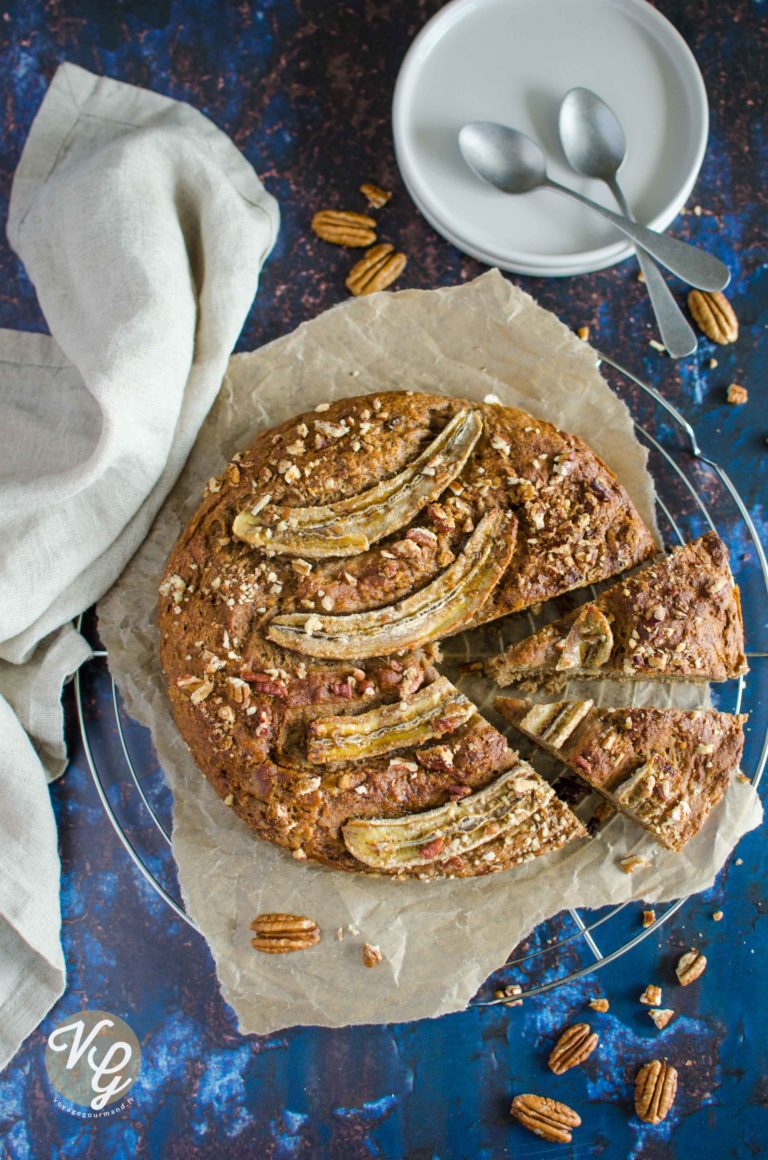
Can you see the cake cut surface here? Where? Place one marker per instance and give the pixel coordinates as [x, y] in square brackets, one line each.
[676, 619]
[301, 613]
[665, 768]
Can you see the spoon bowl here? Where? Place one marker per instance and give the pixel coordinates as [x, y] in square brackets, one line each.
[592, 138]
[594, 145]
[502, 156]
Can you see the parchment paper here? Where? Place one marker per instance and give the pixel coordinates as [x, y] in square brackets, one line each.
[440, 940]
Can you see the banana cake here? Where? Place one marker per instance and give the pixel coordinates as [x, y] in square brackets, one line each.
[302, 608]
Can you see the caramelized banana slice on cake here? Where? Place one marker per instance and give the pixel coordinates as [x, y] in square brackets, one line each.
[435, 710]
[507, 805]
[440, 608]
[351, 525]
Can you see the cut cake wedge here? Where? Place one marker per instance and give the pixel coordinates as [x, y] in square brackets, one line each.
[677, 619]
[664, 768]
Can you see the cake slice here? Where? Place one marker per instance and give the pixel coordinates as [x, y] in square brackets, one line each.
[677, 619]
[664, 768]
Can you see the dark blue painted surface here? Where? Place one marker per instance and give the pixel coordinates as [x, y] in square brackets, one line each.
[304, 88]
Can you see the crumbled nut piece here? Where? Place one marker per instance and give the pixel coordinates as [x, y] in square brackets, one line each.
[712, 363]
[648, 918]
[375, 195]
[372, 955]
[651, 996]
[661, 1016]
[546, 1118]
[601, 1005]
[714, 316]
[203, 690]
[229, 799]
[277, 934]
[632, 863]
[640, 276]
[378, 268]
[583, 333]
[344, 228]
[690, 967]
[655, 1088]
[737, 394]
[659, 346]
[574, 1046]
[718, 916]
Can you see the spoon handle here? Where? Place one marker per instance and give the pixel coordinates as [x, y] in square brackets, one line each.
[677, 335]
[693, 265]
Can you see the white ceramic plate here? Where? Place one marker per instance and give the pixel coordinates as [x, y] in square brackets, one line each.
[512, 61]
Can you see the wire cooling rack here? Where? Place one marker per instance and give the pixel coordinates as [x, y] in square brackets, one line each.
[695, 495]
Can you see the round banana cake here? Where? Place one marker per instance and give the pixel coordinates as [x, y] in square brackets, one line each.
[302, 609]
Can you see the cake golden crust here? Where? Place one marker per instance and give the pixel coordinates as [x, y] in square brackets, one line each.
[245, 704]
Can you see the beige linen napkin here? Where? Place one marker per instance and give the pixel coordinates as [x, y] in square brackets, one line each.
[144, 231]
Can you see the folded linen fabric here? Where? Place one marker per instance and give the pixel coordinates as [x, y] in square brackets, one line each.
[144, 231]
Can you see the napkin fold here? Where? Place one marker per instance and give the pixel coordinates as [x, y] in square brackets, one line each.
[144, 230]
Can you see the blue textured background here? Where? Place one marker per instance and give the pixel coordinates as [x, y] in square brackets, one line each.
[304, 89]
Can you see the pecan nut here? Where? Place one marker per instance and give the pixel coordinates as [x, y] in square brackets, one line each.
[714, 316]
[655, 1088]
[690, 967]
[344, 228]
[661, 1016]
[574, 1046]
[277, 934]
[378, 268]
[546, 1118]
[375, 195]
[372, 955]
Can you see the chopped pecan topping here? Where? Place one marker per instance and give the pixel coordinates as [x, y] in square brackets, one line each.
[601, 1005]
[655, 1088]
[351, 525]
[661, 1016]
[574, 1046]
[546, 1118]
[277, 934]
[651, 996]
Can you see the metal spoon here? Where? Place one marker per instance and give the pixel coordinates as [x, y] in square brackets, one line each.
[594, 145]
[513, 163]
